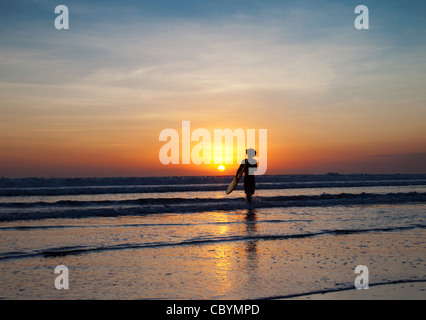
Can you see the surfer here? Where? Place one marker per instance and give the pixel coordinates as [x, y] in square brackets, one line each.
[249, 181]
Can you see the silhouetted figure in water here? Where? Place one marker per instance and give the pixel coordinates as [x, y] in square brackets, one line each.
[249, 181]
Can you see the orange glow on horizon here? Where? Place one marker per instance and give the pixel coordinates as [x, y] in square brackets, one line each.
[135, 152]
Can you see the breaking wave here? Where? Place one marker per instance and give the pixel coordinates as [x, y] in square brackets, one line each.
[10, 211]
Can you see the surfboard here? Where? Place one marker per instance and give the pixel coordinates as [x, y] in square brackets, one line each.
[234, 182]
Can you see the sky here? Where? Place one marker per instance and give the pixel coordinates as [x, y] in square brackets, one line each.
[92, 100]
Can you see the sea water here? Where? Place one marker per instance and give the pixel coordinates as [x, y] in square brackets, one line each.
[183, 238]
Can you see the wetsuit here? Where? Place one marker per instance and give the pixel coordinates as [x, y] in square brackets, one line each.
[249, 180]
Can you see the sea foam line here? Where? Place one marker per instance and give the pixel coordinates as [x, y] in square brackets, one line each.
[75, 250]
[341, 289]
[86, 190]
[182, 205]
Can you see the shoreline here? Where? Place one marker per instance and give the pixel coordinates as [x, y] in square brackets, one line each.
[395, 290]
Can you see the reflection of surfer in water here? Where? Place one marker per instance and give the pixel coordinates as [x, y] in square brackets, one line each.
[249, 181]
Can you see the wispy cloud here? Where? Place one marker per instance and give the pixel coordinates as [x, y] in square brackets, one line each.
[298, 68]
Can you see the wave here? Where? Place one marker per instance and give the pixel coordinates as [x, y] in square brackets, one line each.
[139, 225]
[341, 289]
[56, 186]
[108, 208]
[76, 250]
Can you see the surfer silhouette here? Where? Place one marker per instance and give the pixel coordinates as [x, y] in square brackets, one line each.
[249, 180]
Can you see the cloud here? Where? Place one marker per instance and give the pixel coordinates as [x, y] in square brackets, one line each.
[278, 54]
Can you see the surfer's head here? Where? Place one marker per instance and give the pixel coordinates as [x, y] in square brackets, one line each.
[251, 152]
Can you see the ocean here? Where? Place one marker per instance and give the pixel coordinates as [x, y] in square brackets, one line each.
[183, 238]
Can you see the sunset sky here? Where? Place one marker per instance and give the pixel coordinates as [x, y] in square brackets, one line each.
[92, 100]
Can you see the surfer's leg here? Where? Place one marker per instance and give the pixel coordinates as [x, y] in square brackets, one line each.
[249, 187]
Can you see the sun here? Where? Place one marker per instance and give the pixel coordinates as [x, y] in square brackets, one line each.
[221, 167]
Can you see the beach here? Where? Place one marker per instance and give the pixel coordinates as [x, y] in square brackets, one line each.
[301, 238]
[393, 291]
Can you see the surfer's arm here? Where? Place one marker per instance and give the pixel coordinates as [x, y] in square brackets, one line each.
[240, 168]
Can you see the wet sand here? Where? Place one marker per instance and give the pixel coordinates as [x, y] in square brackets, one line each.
[396, 291]
[247, 269]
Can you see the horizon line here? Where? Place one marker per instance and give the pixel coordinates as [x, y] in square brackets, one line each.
[224, 175]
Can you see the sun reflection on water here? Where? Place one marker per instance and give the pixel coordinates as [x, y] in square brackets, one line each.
[233, 263]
